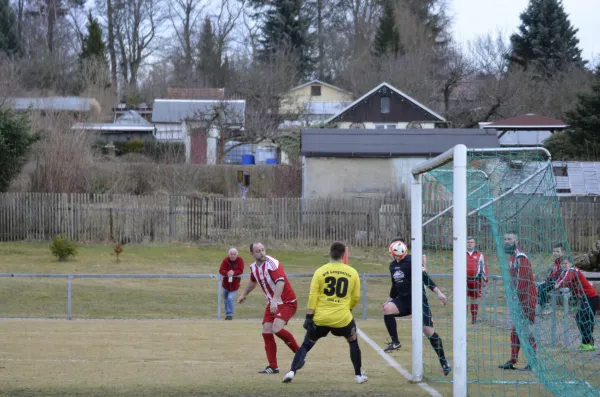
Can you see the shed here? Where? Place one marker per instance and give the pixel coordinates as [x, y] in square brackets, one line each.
[348, 163]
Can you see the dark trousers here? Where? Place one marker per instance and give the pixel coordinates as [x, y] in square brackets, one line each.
[585, 319]
[543, 290]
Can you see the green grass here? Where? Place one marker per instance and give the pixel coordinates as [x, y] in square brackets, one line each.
[151, 298]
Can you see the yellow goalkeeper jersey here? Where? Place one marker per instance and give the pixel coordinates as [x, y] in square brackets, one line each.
[334, 291]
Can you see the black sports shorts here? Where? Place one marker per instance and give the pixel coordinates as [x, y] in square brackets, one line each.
[405, 309]
[321, 331]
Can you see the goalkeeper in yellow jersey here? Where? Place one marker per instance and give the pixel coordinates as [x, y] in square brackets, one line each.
[334, 291]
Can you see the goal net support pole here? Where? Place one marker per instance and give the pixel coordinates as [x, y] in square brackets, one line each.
[458, 155]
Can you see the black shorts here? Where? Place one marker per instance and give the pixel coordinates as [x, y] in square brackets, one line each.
[405, 309]
[321, 331]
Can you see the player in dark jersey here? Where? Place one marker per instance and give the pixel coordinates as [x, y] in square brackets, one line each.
[522, 281]
[400, 305]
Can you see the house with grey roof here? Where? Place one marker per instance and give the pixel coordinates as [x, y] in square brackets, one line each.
[75, 106]
[525, 130]
[349, 163]
[205, 125]
[130, 125]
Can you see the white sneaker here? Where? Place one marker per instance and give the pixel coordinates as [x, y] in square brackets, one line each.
[546, 311]
[360, 379]
[289, 376]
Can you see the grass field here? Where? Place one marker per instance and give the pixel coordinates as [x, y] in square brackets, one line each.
[139, 355]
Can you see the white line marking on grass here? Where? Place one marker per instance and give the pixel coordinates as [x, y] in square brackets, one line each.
[394, 364]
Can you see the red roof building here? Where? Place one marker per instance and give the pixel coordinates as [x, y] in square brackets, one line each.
[525, 130]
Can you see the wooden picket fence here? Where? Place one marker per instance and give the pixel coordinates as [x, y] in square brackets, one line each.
[164, 218]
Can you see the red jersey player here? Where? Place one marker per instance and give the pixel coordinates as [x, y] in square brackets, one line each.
[477, 276]
[553, 275]
[282, 305]
[580, 287]
[523, 282]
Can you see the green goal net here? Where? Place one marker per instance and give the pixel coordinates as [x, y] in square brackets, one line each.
[524, 336]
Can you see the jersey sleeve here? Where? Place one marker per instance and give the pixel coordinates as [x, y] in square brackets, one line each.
[355, 291]
[316, 286]
[564, 279]
[428, 282]
[482, 268]
[276, 271]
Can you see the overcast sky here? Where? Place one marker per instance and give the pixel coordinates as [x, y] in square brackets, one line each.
[475, 17]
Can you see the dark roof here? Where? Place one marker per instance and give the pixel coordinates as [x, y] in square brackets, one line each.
[381, 86]
[338, 142]
[529, 120]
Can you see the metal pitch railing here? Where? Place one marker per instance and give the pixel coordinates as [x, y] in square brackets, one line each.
[499, 314]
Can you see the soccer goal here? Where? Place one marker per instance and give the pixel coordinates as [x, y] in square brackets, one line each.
[511, 334]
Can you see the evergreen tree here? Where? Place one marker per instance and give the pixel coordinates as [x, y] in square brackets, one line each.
[16, 141]
[9, 36]
[546, 40]
[209, 60]
[387, 37]
[286, 28]
[93, 46]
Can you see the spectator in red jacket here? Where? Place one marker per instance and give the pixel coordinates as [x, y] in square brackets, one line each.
[231, 269]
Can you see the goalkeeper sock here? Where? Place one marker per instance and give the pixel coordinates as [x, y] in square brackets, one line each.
[390, 324]
[300, 355]
[436, 343]
[271, 349]
[288, 339]
[355, 356]
[474, 310]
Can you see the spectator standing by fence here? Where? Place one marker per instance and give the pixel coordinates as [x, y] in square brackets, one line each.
[231, 269]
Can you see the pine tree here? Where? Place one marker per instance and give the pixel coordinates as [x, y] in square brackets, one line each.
[16, 142]
[546, 40]
[584, 120]
[387, 36]
[209, 60]
[93, 45]
[286, 28]
[9, 36]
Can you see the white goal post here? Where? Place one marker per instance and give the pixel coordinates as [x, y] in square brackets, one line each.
[458, 154]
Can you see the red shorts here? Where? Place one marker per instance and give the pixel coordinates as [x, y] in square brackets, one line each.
[284, 311]
[474, 288]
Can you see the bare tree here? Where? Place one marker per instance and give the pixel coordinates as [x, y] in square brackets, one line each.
[225, 21]
[137, 23]
[184, 16]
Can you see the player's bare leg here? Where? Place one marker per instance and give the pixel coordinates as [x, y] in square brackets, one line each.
[390, 311]
[436, 343]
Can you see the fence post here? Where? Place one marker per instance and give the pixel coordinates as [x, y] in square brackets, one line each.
[69, 280]
[364, 295]
[566, 294]
[553, 320]
[219, 296]
[484, 303]
[495, 297]
[172, 218]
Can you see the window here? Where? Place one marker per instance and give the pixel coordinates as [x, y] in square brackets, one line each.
[390, 126]
[315, 90]
[385, 104]
[560, 170]
[563, 190]
[380, 126]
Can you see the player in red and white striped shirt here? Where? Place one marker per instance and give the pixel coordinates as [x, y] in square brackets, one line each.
[572, 278]
[268, 272]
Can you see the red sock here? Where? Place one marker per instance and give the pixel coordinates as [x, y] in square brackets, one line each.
[288, 339]
[532, 342]
[474, 310]
[515, 346]
[271, 349]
